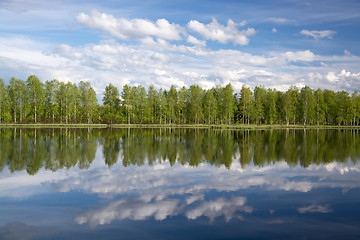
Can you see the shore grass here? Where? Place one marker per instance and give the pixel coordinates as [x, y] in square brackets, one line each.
[52, 125]
[283, 126]
[199, 126]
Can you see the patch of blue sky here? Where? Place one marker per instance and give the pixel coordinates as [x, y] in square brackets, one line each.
[252, 35]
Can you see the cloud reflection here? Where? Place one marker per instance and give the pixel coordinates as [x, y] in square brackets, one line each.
[161, 191]
[220, 207]
[158, 183]
[132, 209]
[315, 208]
[128, 209]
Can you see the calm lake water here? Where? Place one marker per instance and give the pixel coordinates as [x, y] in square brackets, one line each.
[179, 184]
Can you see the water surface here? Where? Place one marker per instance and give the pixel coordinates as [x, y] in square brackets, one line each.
[179, 183]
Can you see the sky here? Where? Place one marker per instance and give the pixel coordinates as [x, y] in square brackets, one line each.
[276, 44]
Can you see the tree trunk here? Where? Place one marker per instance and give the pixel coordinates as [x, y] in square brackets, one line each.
[35, 112]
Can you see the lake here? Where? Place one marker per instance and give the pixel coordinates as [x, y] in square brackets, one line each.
[179, 184]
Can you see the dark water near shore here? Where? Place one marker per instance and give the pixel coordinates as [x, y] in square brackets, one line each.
[179, 183]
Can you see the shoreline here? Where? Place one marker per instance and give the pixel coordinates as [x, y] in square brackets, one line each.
[198, 126]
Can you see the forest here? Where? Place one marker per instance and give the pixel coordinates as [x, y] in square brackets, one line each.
[33, 101]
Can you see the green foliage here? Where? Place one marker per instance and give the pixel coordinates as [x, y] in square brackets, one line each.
[245, 104]
[128, 102]
[330, 106]
[5, 115]
[270, 106]
[181, 103]
[307, 105]
[51, 104]
[152, 104]
[259, 104]
[344, 108]
[290, 102]
[171, 104]
[18, 99]
[355, 97]
[111, 104]
[162, 106]
[210, 107]
[320, 107]
[66, 103]
[195, 110]
[88, 102]
[36, 97]
[228, 103]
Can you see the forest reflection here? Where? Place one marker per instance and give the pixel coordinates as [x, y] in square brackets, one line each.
[53, 149]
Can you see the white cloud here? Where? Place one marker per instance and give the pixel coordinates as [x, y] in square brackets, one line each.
[279, 20]
[24, 49]
[221, 33]
[222, 58]
[306, 56]
[331, 77]
[345, 79]
[274, 30]
[206, 84]
[111, 62]
[347, 52]
[130, 29]
[196, 41]
[67, 51]
[318, 34]
[315, 208]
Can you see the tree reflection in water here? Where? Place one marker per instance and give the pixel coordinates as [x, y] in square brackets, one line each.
[53, 149]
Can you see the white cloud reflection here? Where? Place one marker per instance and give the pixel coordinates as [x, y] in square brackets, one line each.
[220, 207]
[128, 209]
[315, 208]
[161, 191]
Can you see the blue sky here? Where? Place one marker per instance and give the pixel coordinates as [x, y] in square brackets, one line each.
[272, 43]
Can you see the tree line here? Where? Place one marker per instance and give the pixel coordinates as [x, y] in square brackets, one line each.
[32, 101]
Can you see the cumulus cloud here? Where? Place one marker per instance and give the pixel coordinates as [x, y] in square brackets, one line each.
[345, 73]
[130, 29]
[220, 207]
[196, 41]
[180, 65]
[331, 77]
[224, 34]
[318, 34]
[315, 208]
[343, 78]
[306, 56]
